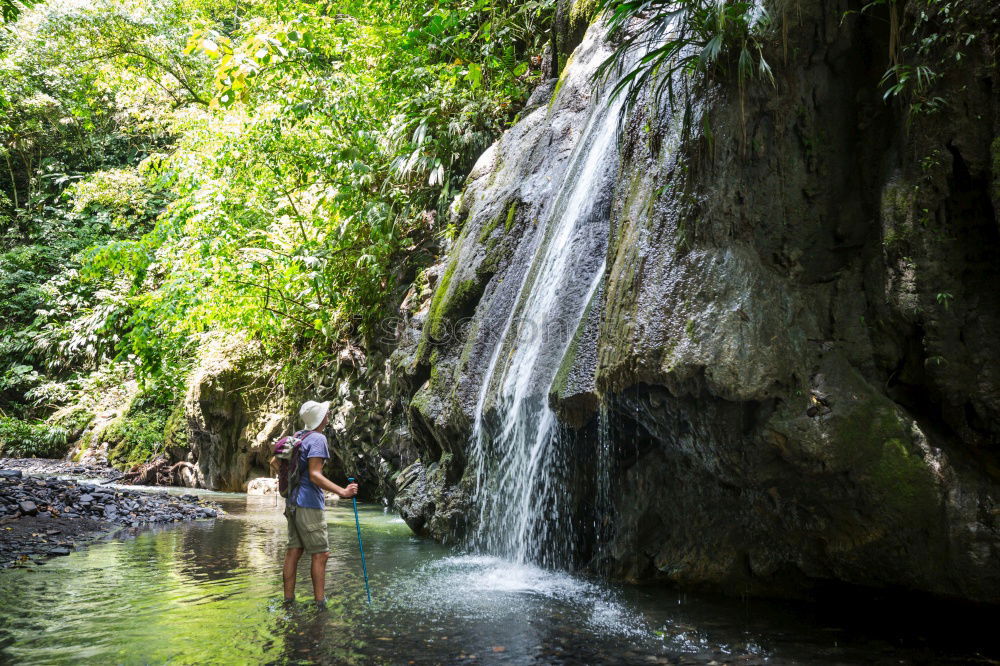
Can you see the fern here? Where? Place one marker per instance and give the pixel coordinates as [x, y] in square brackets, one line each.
[20, 439]
[708, 38]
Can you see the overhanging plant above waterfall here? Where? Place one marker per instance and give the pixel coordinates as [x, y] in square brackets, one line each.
[710, 38]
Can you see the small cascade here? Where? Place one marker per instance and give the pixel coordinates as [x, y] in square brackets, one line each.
[603, 501]
[517, 451]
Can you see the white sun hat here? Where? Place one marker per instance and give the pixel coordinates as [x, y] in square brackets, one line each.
[312, 413]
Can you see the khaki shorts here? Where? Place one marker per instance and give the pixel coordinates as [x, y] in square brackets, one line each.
[307, 529]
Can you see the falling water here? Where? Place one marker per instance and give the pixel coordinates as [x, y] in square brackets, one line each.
[604, 509]
[517, 452]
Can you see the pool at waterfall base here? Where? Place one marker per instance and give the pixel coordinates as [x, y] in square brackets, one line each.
[209, 592]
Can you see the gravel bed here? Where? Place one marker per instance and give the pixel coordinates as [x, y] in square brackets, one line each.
[42, 517]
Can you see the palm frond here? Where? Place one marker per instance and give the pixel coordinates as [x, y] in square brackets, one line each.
[678, 38]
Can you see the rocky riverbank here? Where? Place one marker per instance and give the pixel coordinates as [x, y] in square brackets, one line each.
[41, 517]
[89, 470]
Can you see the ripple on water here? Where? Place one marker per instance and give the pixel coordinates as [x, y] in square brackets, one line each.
[485, 588]
[210, 593]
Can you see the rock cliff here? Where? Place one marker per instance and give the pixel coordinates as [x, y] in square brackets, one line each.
[235, 406]
[789, 355]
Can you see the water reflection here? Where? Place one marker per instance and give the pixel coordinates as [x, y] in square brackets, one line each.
[209, 592]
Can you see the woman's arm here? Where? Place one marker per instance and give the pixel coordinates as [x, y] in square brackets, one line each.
[320, 481]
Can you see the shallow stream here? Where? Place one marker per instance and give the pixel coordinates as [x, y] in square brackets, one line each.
[209, 592]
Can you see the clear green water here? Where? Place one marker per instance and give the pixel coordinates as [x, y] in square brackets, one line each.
[209, 592]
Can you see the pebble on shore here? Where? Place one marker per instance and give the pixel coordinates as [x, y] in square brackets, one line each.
[43, 517]
[41, 466]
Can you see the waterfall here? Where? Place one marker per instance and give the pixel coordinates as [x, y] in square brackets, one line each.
[517, 451]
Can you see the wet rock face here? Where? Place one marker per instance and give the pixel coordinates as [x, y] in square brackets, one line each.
[222, 435]
[219, 436]
[447, 349]
[765, 498]
[789, 365]
[429, 504]
[795, 391]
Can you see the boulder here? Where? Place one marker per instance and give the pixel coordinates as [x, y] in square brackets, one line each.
[262, 486]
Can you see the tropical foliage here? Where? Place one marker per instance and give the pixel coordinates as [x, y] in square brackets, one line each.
[170, 168]
[11, 9]
[20, 439]
[927, 39]
[661, 43]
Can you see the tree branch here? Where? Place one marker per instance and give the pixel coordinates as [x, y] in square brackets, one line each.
[182, 80]
[269, 289]
[292, 317]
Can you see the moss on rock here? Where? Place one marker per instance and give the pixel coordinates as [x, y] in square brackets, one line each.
[175, 433]
[498, 251]
[581, 13]
[897, 215]
[435, 316]
[560, 82]
[456, 298]
[139, 433]
[867, 438]
[511, 215]
[488, 229]
[903, 477]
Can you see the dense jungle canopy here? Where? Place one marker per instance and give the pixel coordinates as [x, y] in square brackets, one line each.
[273, 170]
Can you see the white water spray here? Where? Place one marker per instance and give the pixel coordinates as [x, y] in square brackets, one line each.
[515, 451]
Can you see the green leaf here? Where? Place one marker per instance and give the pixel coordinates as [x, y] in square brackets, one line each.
[474, 75]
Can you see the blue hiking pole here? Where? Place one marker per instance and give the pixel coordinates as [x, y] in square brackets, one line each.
[361, 547]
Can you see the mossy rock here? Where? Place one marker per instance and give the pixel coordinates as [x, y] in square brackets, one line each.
[560, 82]
[572, 19]
[175, 433]
[498, 247]
[866, 438]
[511, 216]
[451, 301]
[898, 202]
[137, 435]
[876, 445]
[456, 298]
[507, 217]
[488, 229]
[440, 300]
[75, 422]
[581, 13]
